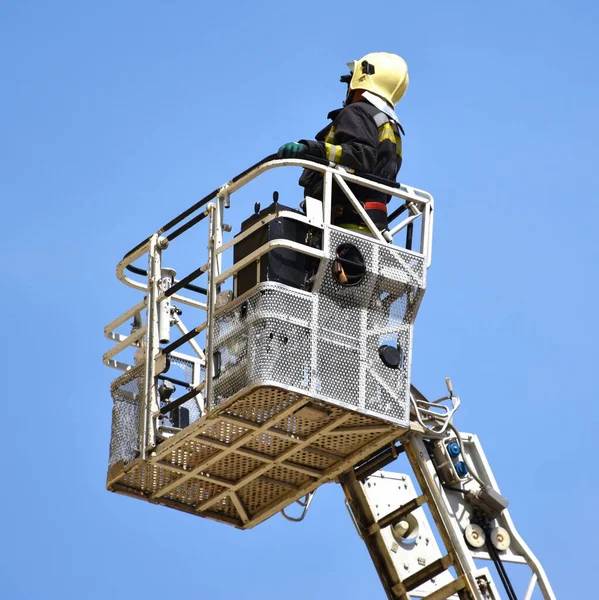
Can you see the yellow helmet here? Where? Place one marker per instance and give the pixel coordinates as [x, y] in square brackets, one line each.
[381, 73]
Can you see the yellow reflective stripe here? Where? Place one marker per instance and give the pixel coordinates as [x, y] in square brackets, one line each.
[333, 152]
[330, 138]
[386, 133]
[354, 227]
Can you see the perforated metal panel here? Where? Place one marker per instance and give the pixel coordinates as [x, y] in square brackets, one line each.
[253, 456]
[325, 343]
[124, 439]
[126, 392]
[183, 369]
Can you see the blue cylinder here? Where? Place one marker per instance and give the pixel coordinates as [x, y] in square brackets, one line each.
[453, 449]
[461, 468]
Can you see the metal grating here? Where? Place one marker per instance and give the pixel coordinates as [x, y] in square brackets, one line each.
[126, 391]
[194, 491]
[241, 474]
[190, 454]
[269, 445]
[259, 493]
[148, 477]
[234, 467]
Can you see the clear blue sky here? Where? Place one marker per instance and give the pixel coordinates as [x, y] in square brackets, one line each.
[115, 116]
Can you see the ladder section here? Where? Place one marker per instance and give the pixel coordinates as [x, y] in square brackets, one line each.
[469, 513]
[387, 513]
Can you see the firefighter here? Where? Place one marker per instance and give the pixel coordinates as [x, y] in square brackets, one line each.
[364, 136]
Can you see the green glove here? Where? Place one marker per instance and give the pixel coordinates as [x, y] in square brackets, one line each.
[292, 150]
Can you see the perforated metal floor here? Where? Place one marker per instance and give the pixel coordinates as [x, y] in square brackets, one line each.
[253, 456]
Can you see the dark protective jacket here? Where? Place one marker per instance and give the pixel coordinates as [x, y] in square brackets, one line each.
[361, 138]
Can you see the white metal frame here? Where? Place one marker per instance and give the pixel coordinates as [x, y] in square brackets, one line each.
[419, 205]
[454, 511]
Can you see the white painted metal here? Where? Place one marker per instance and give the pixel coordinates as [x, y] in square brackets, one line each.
[150, 404]
[314, 211]
[211, 297]
[531, 586]
[457, 511]
[167, 277]
[417, 547]
[374, 231]
[434, 416]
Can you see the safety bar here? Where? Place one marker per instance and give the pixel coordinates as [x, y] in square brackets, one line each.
[419, 202]
[272, 157]
[272, 161]
[416, 202]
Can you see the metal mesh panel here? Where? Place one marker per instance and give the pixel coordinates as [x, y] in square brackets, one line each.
[193, 492]
[126, 392]
[149, 477]
[187, 367]
[259, 493]
[190, 454]
[288, 476]
[326, 343]
[344, 444]
[262, 404]
[225, 432]
[309, 459]
[304, 422]
[234, 463]
[264, 337]
[269, 445]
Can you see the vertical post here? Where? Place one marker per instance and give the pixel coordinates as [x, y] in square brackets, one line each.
[429, 214]
[149, 402]
[424, 230]
[221, 200]
[327, 197]
[167, 277]
[210, 301]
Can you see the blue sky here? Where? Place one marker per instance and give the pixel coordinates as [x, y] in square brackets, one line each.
[115, 116]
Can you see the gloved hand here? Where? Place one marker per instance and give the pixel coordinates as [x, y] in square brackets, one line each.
[292, 150]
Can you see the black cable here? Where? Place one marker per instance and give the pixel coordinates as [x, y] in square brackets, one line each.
[507, 584]
[177, 286]
[494, 555]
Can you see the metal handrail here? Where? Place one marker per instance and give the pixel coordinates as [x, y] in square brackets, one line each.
[408, 193]
[256, 167]
[272, 161]
[417, 202]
